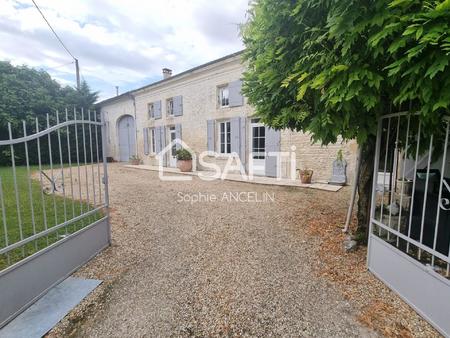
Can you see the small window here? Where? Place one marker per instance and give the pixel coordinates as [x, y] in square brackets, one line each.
[151, 111]
[224, 100]
[169, 105]
[225, 137]
[152, 141]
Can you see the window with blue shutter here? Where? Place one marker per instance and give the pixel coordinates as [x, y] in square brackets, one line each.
[145, 131]
[157, 109]
[178, 134]
[177, 105]
[235, 96]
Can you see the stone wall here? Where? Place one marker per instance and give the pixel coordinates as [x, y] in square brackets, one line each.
[199, 89]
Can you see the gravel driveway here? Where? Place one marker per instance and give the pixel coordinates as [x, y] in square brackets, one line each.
[223, 268]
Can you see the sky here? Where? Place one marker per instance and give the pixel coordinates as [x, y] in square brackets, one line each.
[119, 43]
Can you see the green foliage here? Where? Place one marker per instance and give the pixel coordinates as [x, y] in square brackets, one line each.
[27, 94]
[333, 67]
[183, 155]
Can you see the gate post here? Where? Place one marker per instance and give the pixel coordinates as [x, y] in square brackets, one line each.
[105, 172]
[376, 164]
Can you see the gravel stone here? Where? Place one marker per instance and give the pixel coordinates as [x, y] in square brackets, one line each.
[223, 268]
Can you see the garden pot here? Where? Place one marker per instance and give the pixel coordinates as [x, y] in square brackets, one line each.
[306, 176]
[184, 165]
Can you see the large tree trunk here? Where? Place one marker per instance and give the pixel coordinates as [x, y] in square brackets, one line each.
[365, 188]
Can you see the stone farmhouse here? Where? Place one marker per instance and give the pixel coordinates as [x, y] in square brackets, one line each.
[205, 109]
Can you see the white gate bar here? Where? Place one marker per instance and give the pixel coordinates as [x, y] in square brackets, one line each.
[16, 190]
[78, 160]
[92, 159]
[441, 182]
[405, 155]
[5, 227]
[43, 133]
[49, 231]
[62, 171]
[44, 209]
[33, 223]
[425, 194]
[85, 162]
[413, 241]
[98, 160]
[51, 173]
[384, 173]
[393, 176]
[375, 182]
[70, 165]
[105, 172]
[414, 185]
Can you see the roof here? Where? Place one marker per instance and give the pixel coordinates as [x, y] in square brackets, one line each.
[130, 92]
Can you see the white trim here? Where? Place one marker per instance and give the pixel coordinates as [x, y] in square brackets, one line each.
[227, 131]
[220, 90]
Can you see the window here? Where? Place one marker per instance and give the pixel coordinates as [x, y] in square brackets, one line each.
[225, 137]
[259, 142]
[169, 105]
[224, 100]
[173, 136]
[151, 111]
[152, 141]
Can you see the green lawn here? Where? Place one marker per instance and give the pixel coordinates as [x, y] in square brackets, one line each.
[54, 208]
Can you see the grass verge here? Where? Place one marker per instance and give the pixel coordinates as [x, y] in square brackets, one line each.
[43, 211]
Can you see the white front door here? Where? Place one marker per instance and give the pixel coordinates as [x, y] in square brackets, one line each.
[257, 148]
[173, 149]
[126, 138]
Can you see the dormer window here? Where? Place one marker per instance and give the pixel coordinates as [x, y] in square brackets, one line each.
[151, 111]
[169, 107]
[224, 99]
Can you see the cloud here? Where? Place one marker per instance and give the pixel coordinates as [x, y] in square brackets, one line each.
[124, 43]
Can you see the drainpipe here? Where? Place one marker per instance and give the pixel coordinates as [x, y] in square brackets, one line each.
[135, 124]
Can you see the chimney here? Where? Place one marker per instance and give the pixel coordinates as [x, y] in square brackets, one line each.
[117, 90]
[167, 73]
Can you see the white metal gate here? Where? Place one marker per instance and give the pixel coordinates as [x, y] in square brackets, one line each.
[409, 241]
[53, 205]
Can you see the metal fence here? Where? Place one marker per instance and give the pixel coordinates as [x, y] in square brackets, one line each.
[409, 243]
[53, 203]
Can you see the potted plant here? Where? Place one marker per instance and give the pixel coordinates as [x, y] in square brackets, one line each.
[305, 175]
[184, 160]
[135, 160]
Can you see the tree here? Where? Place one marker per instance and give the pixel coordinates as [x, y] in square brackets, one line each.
[332, 68]
[25, 94]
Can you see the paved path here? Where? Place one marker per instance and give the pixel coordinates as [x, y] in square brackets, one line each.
[214, 268]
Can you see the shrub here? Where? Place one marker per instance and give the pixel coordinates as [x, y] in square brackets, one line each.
[183, 155]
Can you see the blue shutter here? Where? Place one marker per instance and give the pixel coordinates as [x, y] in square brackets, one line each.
[235, 96]
[235, 135]
[145, 141]
[158, 140]
[178, 134]
[243, 140]
[162, 134]
[210, 130]
[273, 141]
[178, 105]
[157, 109]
